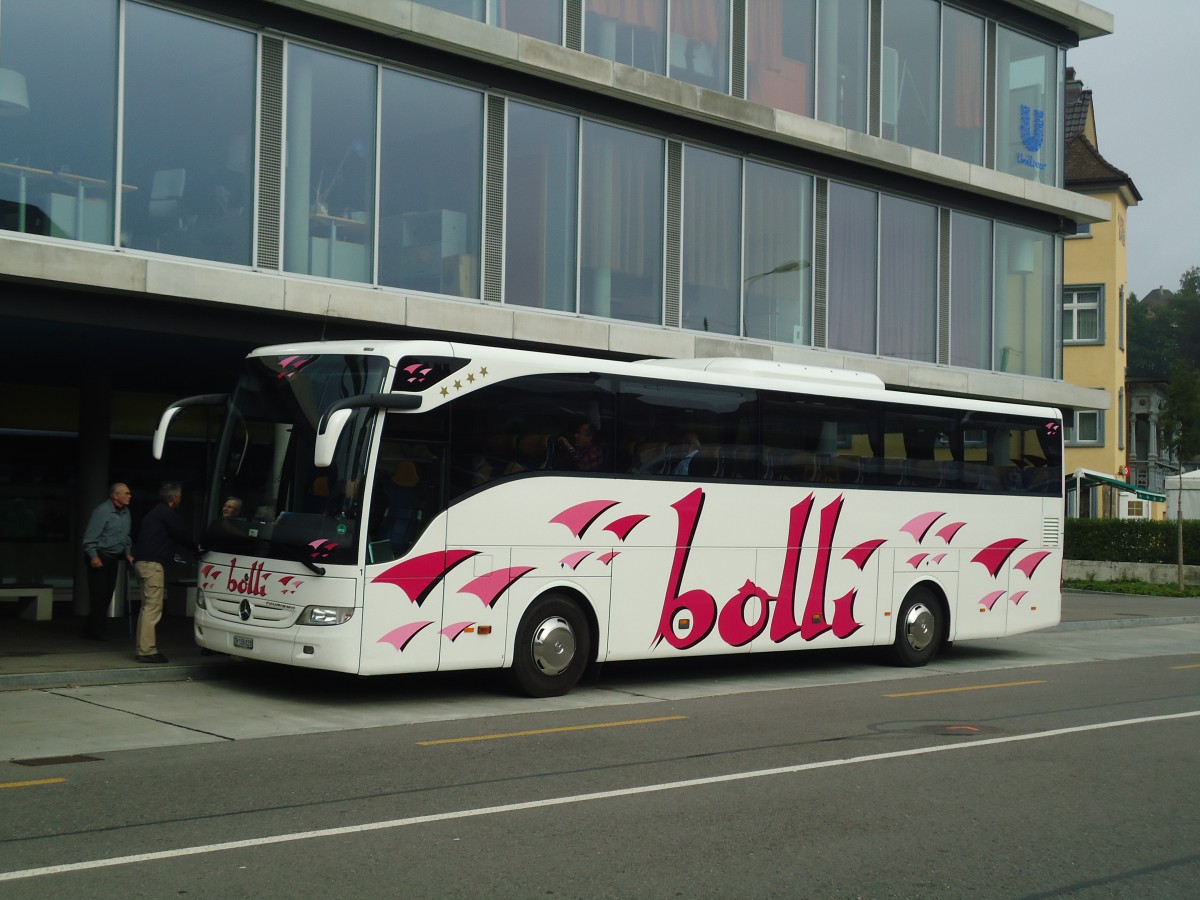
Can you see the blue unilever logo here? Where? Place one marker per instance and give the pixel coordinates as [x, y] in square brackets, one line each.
[1033, 135]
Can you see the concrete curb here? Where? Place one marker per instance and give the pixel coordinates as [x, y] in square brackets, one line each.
[94, 677]
[1132, 622]
[224, 669]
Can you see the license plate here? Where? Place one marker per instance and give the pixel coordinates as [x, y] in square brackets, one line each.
[245, 643]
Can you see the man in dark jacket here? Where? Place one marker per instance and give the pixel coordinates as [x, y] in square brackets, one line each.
[161, 533]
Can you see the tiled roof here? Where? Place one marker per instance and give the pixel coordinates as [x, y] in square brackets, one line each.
[1075, 115]
[1085, 167]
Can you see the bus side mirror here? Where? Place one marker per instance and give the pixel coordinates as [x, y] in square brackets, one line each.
[327, 440]
[160, 433]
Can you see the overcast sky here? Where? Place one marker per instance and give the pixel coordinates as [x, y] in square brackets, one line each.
[1145, 83]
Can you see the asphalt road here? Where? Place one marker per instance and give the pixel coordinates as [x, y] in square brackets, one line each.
[1053, 765]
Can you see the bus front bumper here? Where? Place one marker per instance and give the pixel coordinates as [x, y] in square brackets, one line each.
[333, 647]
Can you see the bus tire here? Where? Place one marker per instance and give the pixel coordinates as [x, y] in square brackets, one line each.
[920, 629]
[552, 649]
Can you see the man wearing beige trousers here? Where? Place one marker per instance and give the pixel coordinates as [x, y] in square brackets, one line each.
[161, 534]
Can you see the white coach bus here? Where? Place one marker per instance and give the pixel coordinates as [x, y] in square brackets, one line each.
[421, 506]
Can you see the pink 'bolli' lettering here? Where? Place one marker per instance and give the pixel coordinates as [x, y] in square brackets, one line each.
[253, 583]
[730, 621]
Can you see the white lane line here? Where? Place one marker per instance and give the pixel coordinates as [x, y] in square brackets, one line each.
[574, 798]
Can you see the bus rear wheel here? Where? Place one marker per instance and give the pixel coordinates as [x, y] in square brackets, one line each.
[552, 649]
[920, 629]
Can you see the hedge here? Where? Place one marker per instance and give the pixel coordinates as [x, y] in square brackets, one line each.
[1131, 540]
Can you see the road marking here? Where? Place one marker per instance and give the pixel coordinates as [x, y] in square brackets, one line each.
[19, 784]
[478, 812]
[1189, 666]
[972, 687]
[514, 734]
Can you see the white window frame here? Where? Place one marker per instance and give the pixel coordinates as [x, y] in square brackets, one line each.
[1072, 307]
[1071, 426]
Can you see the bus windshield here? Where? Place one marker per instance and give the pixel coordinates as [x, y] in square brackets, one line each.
[267, 496]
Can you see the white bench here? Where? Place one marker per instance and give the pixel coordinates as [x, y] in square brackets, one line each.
[38, 599]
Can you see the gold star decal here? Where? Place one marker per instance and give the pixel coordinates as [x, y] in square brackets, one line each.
[483, 371]
[470, 378]
[458, 385]
[445, 391]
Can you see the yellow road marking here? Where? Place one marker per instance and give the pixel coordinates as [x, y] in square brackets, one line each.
[973, 687]
[1188, 666]
[17, 784]
[513, 734]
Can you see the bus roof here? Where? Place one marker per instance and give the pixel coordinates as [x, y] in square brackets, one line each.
[720, 371]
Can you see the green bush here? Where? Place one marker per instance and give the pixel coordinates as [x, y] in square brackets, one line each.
[1131, 540]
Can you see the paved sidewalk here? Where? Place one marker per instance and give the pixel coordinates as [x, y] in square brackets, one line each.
[53, 654]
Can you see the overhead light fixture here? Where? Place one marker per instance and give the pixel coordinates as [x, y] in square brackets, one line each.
[14, 95]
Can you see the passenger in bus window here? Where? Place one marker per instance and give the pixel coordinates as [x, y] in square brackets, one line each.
[581, 453]
[231, 508]
[685, 452]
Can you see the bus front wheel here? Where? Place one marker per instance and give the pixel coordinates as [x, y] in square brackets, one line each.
[920, 629]
[552, 649]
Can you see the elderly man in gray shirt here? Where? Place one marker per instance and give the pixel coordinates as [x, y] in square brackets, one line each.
[106, 541]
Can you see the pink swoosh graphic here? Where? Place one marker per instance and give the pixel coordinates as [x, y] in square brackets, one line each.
[843, 616]
[948, 532]
[453, 631]
[609, 557]
[572, 561]
[990, 600]
[1016, 598]
[863, 552]
[920, 526]
[993, 556]
[489, 587]
[417, 576]
[400, 637]
[937, 560]
[1030, 563]
[917, 560]
[622, 526]
[579, 517]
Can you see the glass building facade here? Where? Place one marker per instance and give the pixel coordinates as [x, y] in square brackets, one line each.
[365, 170]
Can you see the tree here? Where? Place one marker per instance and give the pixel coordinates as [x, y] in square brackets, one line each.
[1181, 428]
[1160, 337]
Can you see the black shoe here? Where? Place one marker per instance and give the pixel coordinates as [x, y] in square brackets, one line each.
[152, 658]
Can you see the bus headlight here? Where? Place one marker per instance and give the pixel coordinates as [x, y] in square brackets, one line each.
[200, 601]
[325, 615]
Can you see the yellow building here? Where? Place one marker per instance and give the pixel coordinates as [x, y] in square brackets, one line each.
[1093, 325]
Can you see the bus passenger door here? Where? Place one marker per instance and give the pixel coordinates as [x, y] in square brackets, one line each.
[402, 607]
[406, 559]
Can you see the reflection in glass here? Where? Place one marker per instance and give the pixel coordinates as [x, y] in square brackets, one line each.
[699, 43]
[842, 60]
[907, 279]
[711, 231]
[1027, 92]
[58, 134]
[329, 184]
[1025, 317]
[621, 246]
[541, 19]
[777, 283]
[430, 185]
[780, 54]
[540, 208]
[970, 291]
[853, 227]
[189, 133]
[633, 32]
[962, 85]
[909, 73]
